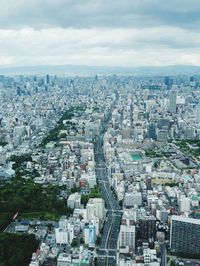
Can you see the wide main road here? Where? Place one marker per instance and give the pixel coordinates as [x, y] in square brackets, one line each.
[109, 236]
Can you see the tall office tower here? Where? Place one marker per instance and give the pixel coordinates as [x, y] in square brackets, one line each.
[185, 235]
[197, 113]
[172, 101]
[127, 236]
[152, 131]
[168, 82]
[47, 79]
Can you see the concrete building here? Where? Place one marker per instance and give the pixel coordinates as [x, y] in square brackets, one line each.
[61, 236]
[95, 208]
[147, 227]
[185, 235]
[132, 199]
[74, 201]
[90, 235]
[172, 101]
[127, 237]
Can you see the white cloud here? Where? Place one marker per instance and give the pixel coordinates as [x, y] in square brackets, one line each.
[99, 46]
[91, 32]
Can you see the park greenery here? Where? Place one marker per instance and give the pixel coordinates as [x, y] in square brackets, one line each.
[54, 134]
[30, 200]
[75, 189]
[152, 153]
[74, 243]
[189, 146]
[20, 160]
[17, 249]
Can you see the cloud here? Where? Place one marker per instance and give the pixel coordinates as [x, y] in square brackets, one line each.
[99, 32]
[99, 13]
[99, 46]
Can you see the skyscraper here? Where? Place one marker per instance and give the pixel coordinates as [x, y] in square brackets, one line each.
[152, 131]
[168, 82]
[197, 113]
[172, 101]
[47, 79]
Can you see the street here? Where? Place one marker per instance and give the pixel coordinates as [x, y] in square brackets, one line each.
[109, 237]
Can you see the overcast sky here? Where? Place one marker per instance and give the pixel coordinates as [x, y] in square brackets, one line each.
[99, 32]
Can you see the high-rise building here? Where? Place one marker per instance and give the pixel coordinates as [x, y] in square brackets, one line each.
[127, 236]
[47, 79]
[74, 200]
[152, 131]
[96, 208]
[168, 82]
[172, 101]
[90, 235]
[185, 235]
[197, 113]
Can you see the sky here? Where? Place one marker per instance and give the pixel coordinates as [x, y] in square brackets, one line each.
[125, 33]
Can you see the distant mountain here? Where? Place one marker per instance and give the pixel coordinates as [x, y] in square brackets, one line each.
[100, 70]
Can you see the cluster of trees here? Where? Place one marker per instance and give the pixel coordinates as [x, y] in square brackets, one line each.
[183, 144]
[94, 193]
[75, 189]
[68, 115]
[24, 196]
[174, 184]
[17, 249]
[19, 160]
[53, 134]
[5, 220]
[3, 143]
[153, 153]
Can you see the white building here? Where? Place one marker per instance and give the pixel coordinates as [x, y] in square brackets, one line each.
[61, 236]
[127, 236]
[184, 204]
[133, 198]
[74, 201]
[95, 208]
